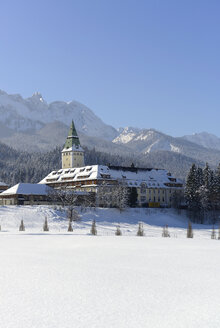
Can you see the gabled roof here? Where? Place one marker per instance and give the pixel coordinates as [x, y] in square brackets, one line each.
[27, 189]
[153, 178]
[72, 141]
[2, 184]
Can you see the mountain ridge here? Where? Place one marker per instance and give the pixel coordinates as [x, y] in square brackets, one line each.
[33, 125]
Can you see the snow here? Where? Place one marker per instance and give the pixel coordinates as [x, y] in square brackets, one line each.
[127, 134]
[27, 189]
[60, 279]
[34, 112]
[154, 178]
[175, 149]
[205, 139]
[73, 148]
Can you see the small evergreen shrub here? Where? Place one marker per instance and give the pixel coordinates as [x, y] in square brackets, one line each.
[70, 228]
[22, 227]
[140, 231]
[213, 234]
[189, 230]
[165, 232]
[45, 226]
[219, 232]
[93, 228]
[118, 231]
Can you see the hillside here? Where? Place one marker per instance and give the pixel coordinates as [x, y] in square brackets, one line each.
[204, 139]
[18, 166]
[34, 128]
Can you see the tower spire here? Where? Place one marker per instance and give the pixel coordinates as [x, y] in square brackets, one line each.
[72, 140]
[72, 153]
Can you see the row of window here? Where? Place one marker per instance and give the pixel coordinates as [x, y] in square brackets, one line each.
[67, 154]
[144, 190]
[153, 199]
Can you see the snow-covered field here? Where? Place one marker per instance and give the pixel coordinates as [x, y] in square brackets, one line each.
[60, 279]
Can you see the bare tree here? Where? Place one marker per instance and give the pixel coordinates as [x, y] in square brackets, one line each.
[72, 214]
[63, 196]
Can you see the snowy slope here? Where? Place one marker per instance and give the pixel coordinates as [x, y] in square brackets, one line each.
[59, 279]
[107, 219]
[204, 139]
[147, 141]
[33, 113]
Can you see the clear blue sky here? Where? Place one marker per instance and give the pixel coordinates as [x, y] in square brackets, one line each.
[134, 63]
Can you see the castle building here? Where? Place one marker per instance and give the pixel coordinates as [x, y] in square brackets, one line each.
[154, 187]
[72, 153]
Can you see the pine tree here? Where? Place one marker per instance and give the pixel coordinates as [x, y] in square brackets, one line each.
[132, 197]
[120, 196]
[213, 234]
[22, 227]
[189, 230]
[207, 176]
[165, 232]
[216, 188]
[118, 231]
[70, 228]
[45, 226]
[93, 228]
[140, 231]
[191, 191]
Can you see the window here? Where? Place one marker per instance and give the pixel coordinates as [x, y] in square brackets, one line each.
[143, 189]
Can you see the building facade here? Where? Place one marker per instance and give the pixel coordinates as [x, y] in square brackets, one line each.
[154, 187]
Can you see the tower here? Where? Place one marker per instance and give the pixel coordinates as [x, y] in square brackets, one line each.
[72, 153]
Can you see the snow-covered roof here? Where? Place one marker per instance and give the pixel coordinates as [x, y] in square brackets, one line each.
[73, 148]
[27, 189]
[2, 184]
[153, 178]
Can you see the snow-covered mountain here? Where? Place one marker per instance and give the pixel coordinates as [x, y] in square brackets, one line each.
[204, 139]
[19, 114]
[34, 125]
[147, 141]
